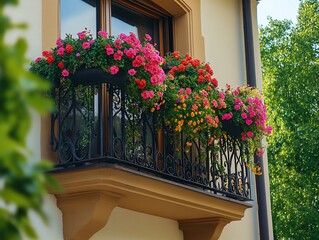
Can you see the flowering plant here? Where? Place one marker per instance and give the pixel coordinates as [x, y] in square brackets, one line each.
[245, 109]
[140, 61]
[192, 98]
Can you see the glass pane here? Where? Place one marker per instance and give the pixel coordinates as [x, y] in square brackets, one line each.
[125, 20]
[76, 15]
[119, 26]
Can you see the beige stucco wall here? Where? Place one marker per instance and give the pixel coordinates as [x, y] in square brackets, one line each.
[221, 30]
[30, 12]
[130, 225]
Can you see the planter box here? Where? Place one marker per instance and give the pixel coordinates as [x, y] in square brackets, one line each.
[231, 129]
[91, 76]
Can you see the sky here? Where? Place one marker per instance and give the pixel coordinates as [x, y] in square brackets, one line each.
[277, 9]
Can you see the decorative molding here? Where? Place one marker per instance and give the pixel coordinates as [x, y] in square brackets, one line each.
[203, 229]
[85, 213]
[91, 194]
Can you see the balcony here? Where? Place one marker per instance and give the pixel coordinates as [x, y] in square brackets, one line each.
[108, 155]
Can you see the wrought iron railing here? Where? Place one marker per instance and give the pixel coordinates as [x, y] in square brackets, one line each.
[94, 123]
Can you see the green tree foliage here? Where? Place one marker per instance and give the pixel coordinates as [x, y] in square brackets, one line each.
[22, 183]
[290, 64]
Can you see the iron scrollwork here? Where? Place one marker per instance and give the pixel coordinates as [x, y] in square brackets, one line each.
[95, 123]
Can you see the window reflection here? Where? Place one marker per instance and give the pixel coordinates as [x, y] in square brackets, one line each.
[76, 15]
[119, 26]
[125, 20]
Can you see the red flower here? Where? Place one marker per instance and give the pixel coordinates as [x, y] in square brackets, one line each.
[50, 59]
[141, 84]
[68, 48]
[185, 62]
[61, 65]
[200, 71]
[195, 63]
[209, 69]
[46, 53]
[181, 67]
[201, 79]
[215, 82]
[208, 77]
[176, 55]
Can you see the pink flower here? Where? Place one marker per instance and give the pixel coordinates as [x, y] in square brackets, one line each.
[209, 119]
[244, 115]
[58, 42]
[154, 80]
[181, 91]
[269, 130]
[123, 36]
[188, 91]
[81, 35]
[138, 61]
[243, 136]
[148, 37]
[237, 107]
[216, 119]
[103, 34]
[78, 54]
[130, 53]
[221, 95]
[108, 49]
[118, 43]
[260, 152]
[160, 94]
[227, 116]
[250, 134]
[61, 51]
[131, 72]
[86, 45]
[114, 69]
[38, 59]
[238, 101]
[118, 55]
[249, 121]
[147, 94]
[236, 92]
[204, 93]
[215, 103]
[65, 73]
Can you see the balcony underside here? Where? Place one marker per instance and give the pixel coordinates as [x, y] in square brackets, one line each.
[109, 155]
[98, 189]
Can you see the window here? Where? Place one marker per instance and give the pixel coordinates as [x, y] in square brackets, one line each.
[139, 17]
[85, 112]
[75, 15]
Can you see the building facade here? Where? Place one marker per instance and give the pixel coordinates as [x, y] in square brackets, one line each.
[116, 202]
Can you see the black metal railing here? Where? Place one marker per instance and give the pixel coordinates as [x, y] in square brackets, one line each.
[96, 123]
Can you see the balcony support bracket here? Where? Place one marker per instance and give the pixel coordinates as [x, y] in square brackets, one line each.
[85, 213]
[204, 229]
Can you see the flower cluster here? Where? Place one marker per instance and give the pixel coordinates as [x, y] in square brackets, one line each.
[192, 99]
[139, 60]
[245, 109]
[193, 103]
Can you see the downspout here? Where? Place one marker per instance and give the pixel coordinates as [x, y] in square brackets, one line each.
[251, 80]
